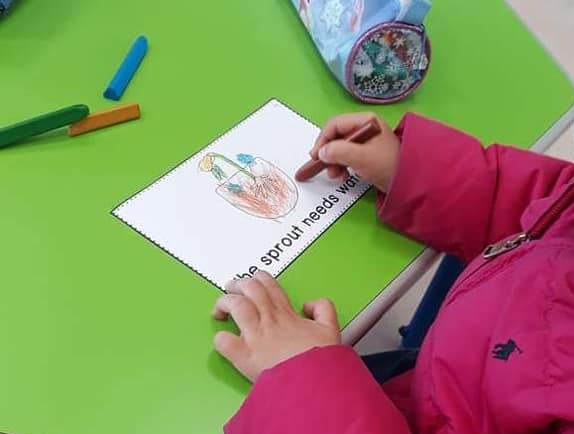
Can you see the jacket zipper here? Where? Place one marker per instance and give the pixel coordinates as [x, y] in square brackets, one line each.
[538, 229]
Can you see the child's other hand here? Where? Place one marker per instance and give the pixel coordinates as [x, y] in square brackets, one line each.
[373, 161]
[271, 330]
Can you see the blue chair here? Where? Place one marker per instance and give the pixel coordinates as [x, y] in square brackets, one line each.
[388, 364]
[414, 333]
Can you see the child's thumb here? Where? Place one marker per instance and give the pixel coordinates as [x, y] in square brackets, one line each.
[341, 152]
[323, 311]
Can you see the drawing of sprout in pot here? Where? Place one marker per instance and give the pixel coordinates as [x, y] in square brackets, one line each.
[256, 186]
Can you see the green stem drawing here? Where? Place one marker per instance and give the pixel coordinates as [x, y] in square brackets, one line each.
[233, 163]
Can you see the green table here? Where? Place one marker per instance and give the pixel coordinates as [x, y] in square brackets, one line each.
[102, 332]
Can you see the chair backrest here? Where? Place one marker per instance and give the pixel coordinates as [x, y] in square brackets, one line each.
[414, 333]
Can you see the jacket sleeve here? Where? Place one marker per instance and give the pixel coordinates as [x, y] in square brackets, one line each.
[456, 196]
[324, 390]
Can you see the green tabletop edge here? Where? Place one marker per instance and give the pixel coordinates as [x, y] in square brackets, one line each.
[103, 332]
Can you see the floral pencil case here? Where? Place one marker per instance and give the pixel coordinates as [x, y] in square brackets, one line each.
[4, 6]
[377, 49]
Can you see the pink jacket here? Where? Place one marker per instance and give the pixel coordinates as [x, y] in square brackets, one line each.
[500, 355]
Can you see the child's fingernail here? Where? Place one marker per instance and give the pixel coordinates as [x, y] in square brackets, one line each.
[323, 153]
[230, 285]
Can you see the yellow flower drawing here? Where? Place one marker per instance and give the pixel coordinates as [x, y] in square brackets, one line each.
[206, 164]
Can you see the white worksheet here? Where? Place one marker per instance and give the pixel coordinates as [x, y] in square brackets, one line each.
[234, 207]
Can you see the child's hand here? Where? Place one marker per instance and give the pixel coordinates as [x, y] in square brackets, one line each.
[373, 161]
[271, 331]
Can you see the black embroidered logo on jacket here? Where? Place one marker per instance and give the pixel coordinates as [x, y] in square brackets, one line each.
[503, 351]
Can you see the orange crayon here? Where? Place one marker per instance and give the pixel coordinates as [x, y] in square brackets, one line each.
[104, 119]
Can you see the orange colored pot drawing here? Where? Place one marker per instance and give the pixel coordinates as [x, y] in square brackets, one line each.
[256, 186]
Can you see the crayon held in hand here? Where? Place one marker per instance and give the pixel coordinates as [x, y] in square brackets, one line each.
[313, 167]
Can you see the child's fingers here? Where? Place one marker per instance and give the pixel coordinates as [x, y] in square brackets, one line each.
[343, 153]
[342, 173]
[335, 172]
[340, 126]
[253, 290]
[323, 311]
[277, 294]
[241, 309]
[232, 347]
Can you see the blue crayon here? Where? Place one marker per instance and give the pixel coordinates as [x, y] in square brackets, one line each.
[127, 69]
